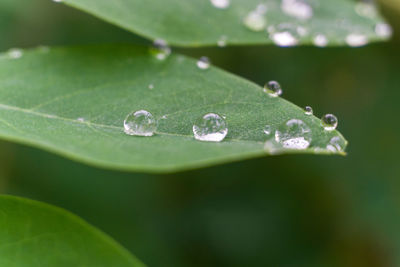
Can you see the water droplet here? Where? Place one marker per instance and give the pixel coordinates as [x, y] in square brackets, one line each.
[383, 30]
[356, 40]
[308, 110]
[329, 122]
[203, 63]
[221, 4]
[151, 86]
[255, 21]
[160, 49]
[366, 9]
[294, 134]
[141, 123]
[320, 40]
[57, 1]
[273, 88]
[211, 127]
[299, 9]
[268, 129]
[222, 41]
[15, 53]
[336, 144]
[164, 117]
[272, 147]
[80, 119]
[285, 35]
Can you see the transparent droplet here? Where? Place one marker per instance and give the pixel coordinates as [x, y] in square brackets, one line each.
[80, 119]
[294, 134]
[222, 4]
[329, 122]
[308, 110]
[141, 123]
[255, 21]
[356, 39]
[222, 41]
[272, 147]
[366, 9]
[211, 127]
[57, 1]
[151, 86]
[268, 130]
[320, 40]
[273, 88]
[336, 144]
[261, 9]
[160, 49]
[285, 35]
[203, 63]
[299, 9]
[383, 30]
[15, 53]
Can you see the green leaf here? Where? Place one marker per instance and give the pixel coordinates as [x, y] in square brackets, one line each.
[36, 234]
[73, 101]
[199, 23]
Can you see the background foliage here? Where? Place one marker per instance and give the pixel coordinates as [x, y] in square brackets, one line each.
[301, 210]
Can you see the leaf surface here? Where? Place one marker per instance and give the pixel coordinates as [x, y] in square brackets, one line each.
[200, 23]
[73, 101]
[36, 234]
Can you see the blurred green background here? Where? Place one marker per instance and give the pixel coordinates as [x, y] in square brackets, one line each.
[275, 211]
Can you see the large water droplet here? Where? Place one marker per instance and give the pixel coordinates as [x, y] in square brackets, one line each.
[222, 4]
[141, 123]
[255, 21]
[160, 49]
[336, 144]
[320, 40]
[329, 122]
[366, 9]
[273, 88]
[294, 134]
[285, 34]
[15, 53]
[383, 30]
[211, 127]
[308, 110]
[356, 39]
[299, 9]
[203, 63]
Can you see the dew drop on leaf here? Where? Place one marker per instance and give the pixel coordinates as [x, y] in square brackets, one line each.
[356, 40]
[320, 40]
[336, 144]
[255, 21]
[308, 110]
[383, 30]
[268, 130]
[160, 49]
[203, 63]
[221, 4]
[294, 134]
[15, 53]
[329, 122]
[285, 34]
[140, 123]
[211, 127]
[273, 88]
[222, 41]
[299, 9]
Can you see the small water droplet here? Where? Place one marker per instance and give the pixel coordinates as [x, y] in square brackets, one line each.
[57, 1]
[151, 86]
[285, 35]
[255, 21]
[336, 144]
[261, 9]
[80, 119]
[222, 41]
[140, 123]
[299, 9]
[294, 134]
[320, 40]
[203, 63]
[383, 30]
[308, 110]
[272, 147]
[356, 39]
[268, 129]
[273, 88]
[211, 127]
[366, 9]
[15, 53]
[160, 49]
[329, 122]
[164, 117]
[221, 4]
